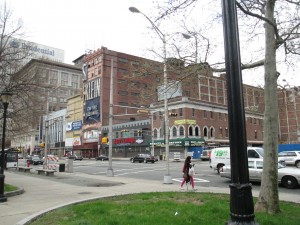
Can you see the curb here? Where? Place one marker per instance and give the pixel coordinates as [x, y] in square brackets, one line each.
[37, 215]
[19, 191]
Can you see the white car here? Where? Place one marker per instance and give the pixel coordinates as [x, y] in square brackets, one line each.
[290, 157]
[287, 176]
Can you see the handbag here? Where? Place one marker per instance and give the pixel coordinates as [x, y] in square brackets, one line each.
[192, 171]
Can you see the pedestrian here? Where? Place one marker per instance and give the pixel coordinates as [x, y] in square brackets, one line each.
[187, 177]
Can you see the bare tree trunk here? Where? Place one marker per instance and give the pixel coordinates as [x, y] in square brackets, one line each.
[268, 200]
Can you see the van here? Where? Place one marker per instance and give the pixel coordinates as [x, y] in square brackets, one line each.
[221, 156]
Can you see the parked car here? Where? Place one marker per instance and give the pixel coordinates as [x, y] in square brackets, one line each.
[205, 155]
[75, 157]
[102, 157]
[36, 160]
[287, 176]
[290, 157]
[143, 158]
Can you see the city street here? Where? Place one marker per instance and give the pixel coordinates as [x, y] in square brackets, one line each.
[205, 176]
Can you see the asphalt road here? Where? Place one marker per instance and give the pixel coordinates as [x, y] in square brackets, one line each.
[152, 171]
[156, 171]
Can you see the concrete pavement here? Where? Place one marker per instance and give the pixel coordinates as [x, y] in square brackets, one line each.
[47, 193]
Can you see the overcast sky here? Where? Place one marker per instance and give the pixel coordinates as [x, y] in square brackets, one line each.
[76, 26]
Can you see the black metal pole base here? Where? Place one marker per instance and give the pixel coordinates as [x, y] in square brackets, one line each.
[241, 207]
[2, 196]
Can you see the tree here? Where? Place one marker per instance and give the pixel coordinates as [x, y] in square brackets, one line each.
[281, 30]
[279, 22]
[25, 89]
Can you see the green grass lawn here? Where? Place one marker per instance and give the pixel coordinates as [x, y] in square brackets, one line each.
[8, 188]
[161, 208]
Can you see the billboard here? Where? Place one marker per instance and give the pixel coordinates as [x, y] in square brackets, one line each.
[173, 90]
[75, 125]
[38, 51]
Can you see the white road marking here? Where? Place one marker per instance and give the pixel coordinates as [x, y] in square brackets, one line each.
[196, 180]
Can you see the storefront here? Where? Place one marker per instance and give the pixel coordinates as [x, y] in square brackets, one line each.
[182, 145]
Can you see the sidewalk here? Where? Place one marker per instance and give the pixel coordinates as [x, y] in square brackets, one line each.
[47, 193]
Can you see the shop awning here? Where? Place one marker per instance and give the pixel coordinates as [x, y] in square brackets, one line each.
[180, 142]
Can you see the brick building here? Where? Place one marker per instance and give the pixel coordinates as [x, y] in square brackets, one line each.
[198, 98]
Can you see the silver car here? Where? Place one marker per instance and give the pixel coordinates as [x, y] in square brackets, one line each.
[289, 177]
[290, 157]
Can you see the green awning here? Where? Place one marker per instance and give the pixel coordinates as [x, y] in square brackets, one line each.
[180, 142]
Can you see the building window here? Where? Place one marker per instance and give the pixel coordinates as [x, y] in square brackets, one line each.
[226, 132]
[220, 116]
[181, 131]
[74, 85]
[64, 79]
[212, 132]
[205, 131]
[211, 115]
[123, 93]
[204, 114]
[220, 132]
[123, 60]
[155, 133]
[197, 131]
[161, 133]
[190, 131]
[135, 94]
[255, 134]
[180, 112]
[174, 132]
[193, 112]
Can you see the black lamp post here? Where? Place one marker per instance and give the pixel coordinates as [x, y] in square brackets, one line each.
[5, 97]
[241, 201]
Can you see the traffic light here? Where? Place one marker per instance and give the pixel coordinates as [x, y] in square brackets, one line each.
[172, 114]
[42, 145]
[104, 140]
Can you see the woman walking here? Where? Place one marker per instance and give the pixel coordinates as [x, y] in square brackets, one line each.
[187, 177]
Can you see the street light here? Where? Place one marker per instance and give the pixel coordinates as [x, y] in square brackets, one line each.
[5, 97]
[167, 177]
[241, 200]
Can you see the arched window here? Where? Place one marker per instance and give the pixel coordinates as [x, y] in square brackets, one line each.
[212, 132]
[160, 133]
[190, 131]
[205, 131]
[197, 131]
[155, 133]
[181, 131]
[174, 131]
